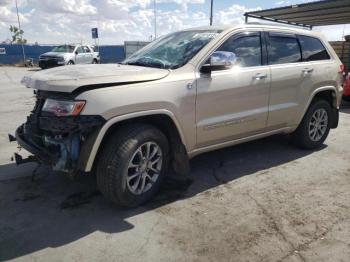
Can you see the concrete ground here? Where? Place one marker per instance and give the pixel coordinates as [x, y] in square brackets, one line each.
[260, 201]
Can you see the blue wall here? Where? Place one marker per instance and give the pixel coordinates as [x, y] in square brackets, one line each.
[108, 54]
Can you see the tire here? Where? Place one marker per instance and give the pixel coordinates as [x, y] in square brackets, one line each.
[115, 165]
[94, 61]
[70, 62]
[303, 137]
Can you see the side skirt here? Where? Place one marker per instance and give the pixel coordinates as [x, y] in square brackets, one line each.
[202, 150]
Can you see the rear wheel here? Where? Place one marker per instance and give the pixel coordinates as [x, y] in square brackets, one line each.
[132, 165]
[94, 61]
[314, 128]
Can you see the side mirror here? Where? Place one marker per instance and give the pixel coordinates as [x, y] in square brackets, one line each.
[76, 52]
[219, 60]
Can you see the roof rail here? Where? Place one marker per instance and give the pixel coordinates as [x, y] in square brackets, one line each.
[275, 24]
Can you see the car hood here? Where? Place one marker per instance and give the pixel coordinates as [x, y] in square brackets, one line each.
[58, 54]
[69, 78]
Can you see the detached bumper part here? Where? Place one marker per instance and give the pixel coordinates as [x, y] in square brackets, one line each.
[12, 138]
[40, 153]
[19, 159]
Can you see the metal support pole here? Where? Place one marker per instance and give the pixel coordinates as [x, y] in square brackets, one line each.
[19, 28]
[246, 19]
[211, 12]
[155, 19]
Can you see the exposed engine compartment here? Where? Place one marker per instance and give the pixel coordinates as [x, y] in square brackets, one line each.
[56, 140]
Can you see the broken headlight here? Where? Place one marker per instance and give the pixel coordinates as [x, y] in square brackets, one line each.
[63, 107]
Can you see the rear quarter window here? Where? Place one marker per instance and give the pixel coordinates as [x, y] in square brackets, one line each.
[312, 49]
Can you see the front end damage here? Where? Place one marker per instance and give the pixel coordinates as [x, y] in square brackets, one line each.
[58, 141]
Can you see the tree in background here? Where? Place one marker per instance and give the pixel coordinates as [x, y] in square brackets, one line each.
[17, 35]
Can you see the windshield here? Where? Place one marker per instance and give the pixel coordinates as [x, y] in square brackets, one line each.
[64, 49]
[173, 50]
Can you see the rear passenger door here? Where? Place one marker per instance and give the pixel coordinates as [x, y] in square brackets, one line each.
[317, 64]
[297, 68]
[288, 79]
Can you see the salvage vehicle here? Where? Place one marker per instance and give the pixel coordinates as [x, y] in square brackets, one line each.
[69, 55]
[184, 94]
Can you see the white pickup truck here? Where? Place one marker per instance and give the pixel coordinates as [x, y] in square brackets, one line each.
[69, 55]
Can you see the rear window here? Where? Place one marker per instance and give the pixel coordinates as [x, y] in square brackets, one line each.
[312, 49]
[283, 49]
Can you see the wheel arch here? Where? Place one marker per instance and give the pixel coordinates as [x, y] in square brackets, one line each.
[328, 93]
[162, 119]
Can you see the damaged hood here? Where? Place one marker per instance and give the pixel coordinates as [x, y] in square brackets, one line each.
[69, 78]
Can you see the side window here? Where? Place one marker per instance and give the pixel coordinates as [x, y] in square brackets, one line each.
[313, 49]
[247, 49]
[86, 49]
[80, 50]
[283, 49]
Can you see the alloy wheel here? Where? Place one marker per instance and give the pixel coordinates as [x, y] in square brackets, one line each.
[144, 168]
[318, 124]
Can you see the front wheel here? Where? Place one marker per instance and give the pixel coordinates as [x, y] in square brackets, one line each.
[132, 165]
[314, 128]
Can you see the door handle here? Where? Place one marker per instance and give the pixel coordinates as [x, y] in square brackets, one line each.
[260, 76]
[307, 70]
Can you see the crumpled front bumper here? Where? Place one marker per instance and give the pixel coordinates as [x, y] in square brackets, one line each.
[61, 142]
[40, 153]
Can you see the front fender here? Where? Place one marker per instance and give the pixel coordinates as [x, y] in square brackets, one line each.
[87, 167]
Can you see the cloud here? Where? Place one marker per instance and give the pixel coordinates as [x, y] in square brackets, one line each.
[283, 3]
[70, 21]
[5, 2]
[78, 7]
[233, 15]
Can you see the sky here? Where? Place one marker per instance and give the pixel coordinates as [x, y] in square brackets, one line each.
[70, 21]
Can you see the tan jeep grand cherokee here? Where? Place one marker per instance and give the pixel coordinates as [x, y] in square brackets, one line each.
[187, 93]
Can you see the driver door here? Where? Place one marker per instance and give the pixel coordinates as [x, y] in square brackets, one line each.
[233, 103]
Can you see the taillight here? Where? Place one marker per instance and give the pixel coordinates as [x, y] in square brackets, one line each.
[341, 68]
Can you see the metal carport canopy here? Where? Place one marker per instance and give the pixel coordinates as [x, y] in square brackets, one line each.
[320, 13]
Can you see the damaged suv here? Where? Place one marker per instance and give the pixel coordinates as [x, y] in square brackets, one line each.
[186, 93]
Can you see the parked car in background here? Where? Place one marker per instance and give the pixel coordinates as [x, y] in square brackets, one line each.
[69, 55]
[346, 95]
[184, 94]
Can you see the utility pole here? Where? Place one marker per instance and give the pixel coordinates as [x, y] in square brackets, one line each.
[211, 12]
[19, 28]
[155, 19]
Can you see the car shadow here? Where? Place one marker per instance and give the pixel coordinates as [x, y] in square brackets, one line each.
[55, 211]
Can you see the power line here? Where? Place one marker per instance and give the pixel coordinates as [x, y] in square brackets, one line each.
[155, 19]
